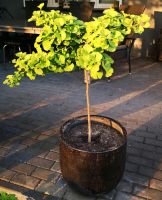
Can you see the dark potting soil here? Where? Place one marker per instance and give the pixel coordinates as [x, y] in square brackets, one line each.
[104, 137]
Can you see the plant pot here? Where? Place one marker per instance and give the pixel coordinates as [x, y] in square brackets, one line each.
[82, 10]
[31, 6]
[92, 172]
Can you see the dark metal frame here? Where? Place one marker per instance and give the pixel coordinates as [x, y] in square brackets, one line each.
[129, 42]
[158, 46]
[4, 10]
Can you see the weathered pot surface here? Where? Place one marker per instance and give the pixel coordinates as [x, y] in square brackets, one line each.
[92, 172]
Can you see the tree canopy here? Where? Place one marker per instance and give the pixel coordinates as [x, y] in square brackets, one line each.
[66, 43]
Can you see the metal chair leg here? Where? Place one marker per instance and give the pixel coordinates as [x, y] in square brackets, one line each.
[29, 48]
[4, 53]
[129, 50]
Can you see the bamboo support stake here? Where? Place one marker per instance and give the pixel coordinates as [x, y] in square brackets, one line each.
[88, 106]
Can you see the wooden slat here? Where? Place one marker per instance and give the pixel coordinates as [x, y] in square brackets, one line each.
[19, 29]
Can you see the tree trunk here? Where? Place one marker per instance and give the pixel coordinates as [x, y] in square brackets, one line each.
[88, 106]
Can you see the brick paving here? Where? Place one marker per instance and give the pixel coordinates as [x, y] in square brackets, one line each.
[30, 117]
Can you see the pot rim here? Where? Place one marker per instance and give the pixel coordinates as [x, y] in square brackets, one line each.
[67, 123]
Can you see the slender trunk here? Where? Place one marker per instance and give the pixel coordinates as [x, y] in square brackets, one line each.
[88, 105]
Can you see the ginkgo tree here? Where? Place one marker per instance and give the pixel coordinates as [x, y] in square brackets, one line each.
[66, 43]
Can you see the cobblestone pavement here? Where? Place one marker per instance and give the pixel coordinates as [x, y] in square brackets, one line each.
[30, 117]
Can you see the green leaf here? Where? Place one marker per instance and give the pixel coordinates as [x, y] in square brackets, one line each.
[30, 75]
[88, 48]
[98, 56]
[63, 35]
[59, 21]
[147, 25]
[38, 71]
[96, 75]
[69, 68]
[5, 196]
[41, 6]
[62, 59]
[65, 42]
[38, 39]
[109, 72]
[47, 44]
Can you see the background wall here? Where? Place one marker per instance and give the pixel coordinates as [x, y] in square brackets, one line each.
[146, 45]
[15, 7]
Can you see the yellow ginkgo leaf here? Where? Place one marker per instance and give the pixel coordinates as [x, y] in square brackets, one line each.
[41, 6]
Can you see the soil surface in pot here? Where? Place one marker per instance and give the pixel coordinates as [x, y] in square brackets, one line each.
[104, 138]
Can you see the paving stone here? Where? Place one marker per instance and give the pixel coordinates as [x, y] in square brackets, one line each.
[25, 181]
[6, 175]
[125, 196]
[30, 134]
[156, 184]
[145, 134]
[158, 165]
[43, 137]
[134, 151]
[73, 195]
[56, 167]
[4, 152]
[140, 161]
[136, 138]
[53, 139]
[150, 172]
[56, 149]
[154, 128]
[152, 155]
[28, 153]
[57, 189]
[27, 141]
[45, 174]
[107, 196]
[17, 150]
[23, 168]
[9, 162]
[142, 146]
[159, 150]
[14, 146]
[53, 156]
[147, 193]
[43, 155]
[30, 125]
[51, 198]
[124, 186]
[46, 145]
[49, 132]
[40, 162]
[131, 167]
[153, 142]
[136, 178]
[159, 137]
